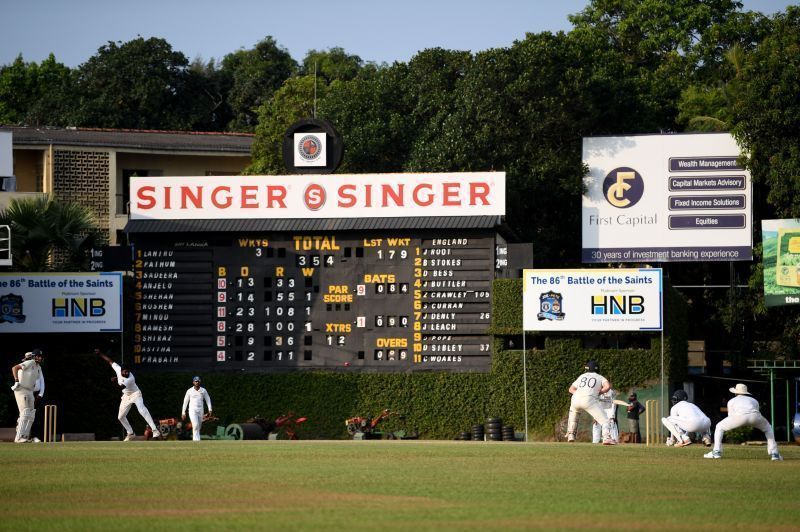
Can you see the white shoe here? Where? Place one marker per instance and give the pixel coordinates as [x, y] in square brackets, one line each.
[776, 457]
[712, 454]
[36, 440]
[129, 437]
[609, 442]
[670, 442]
[684, 442]
[21, 440]
[156, 434]
[570, 438]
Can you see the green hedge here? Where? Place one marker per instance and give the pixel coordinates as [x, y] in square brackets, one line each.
[438, 404]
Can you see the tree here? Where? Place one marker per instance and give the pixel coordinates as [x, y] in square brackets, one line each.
[333, 64]
[47, 234]
[139, 84]
[36, 94]
[250, 77]
[292, 102]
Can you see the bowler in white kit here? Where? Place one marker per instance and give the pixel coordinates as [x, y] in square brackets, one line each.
[193, 400]
[685, 417]
[585, 397]
[131, 395]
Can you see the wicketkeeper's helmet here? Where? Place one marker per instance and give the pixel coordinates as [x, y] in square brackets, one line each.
[678, 396]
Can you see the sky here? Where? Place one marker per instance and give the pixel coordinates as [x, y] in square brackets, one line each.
[376, 30]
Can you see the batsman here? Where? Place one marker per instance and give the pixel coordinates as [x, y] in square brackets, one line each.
[586, 392]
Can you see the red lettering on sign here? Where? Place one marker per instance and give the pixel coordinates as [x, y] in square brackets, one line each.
[145, 198]
[396, 195]
[196, 198]
[249, 200]
[450, 195]
[346, 197]
[418, 197]
[276, 195]
[478, 191]
[227, 199]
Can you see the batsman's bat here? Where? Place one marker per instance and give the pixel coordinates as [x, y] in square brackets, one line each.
[621, 402]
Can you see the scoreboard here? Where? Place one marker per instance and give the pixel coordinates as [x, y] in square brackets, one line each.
[375, 300]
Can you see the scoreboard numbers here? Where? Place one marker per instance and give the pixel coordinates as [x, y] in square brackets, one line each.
[283, 301]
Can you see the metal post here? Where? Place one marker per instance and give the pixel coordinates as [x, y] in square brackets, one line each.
[525, 381]
[661, 399]
[788, 415]
[772, 397]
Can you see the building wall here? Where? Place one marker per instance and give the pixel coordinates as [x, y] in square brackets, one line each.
[28, 167]
[82, 177]
[182, 165]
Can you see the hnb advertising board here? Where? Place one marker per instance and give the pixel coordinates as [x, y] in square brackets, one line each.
[60, 302]
[781, 243]
[666, 198]
[592, 300]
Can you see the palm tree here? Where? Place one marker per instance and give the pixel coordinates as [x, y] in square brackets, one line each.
[50, 235]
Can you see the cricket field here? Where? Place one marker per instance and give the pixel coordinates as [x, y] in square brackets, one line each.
[394, 485]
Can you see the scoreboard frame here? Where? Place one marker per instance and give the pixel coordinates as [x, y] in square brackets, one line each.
[390, 295]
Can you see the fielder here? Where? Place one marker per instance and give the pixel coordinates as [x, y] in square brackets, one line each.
[685, 417]
[27, 375]
[131, 395]
[585, 391]
[607, 401]
[743, 411]
[194, 401]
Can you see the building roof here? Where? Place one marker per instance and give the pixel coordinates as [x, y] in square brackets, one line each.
[138, 139]
[308, 224]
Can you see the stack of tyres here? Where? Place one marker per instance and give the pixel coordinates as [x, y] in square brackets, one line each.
[494, 429]
[464, 436]
[508, 432]
[477, 433]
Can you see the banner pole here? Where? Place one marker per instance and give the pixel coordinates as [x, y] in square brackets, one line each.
[525, 381]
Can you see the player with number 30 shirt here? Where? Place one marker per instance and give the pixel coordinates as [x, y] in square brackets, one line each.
[585, 398]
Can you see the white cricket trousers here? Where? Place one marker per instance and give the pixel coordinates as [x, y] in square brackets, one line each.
[27, 412]
[196, 417]
[125, 404]
[755, 420]
[590, 404]
[679, 426]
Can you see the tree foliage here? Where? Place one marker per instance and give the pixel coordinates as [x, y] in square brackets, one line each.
[48, 234]
[251, 77]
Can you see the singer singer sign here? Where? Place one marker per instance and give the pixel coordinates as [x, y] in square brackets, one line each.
[314, 196]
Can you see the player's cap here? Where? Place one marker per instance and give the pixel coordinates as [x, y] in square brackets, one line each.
[37, 353]
[196, 378]
[633, 395]
[592, 365]
[739, 389]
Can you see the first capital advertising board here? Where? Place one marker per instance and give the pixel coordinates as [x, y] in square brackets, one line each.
[666, 198]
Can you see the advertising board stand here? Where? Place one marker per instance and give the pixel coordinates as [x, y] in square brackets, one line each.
[584, 300]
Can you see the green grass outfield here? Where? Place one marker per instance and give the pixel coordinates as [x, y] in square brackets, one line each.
[393, 485]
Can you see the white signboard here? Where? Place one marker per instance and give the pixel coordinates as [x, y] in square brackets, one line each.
[592, 300]
[318, 196]
[310, 149]
[6, 154]
[60, 302]
[666, 198]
